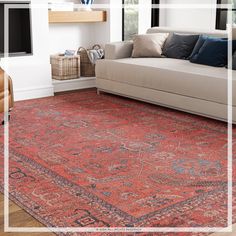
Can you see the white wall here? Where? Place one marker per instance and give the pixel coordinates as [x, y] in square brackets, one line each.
[32, 74]
[189, 18]
[71, 36]
[111, 30]
[145, 13]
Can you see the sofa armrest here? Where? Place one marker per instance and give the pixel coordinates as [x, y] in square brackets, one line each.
[118, 50]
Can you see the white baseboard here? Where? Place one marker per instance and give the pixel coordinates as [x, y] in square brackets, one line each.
[32, 93]
[74, 84]
[58, 86]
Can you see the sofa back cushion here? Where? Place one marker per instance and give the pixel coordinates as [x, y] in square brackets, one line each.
[212, 33]
[179, 46]
[148, 45]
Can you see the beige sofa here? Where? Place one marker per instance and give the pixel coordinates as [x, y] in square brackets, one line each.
[174, 83]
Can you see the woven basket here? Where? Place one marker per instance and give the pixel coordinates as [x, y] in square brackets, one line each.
[65, 67]
[86, 67]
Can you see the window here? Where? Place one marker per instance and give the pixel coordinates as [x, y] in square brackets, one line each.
[130, 19]
[19, 41]
[234, 11]
[155, 13]
[222, 14]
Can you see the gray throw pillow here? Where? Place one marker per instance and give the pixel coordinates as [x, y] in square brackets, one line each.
[179, 46]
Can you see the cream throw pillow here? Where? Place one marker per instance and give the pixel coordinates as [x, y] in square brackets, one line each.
[149, 45]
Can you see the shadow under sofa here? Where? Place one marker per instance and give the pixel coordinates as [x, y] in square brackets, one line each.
[174, 83]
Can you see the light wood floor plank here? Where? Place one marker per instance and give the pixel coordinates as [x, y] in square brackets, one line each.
[226, 234]
[19, 218]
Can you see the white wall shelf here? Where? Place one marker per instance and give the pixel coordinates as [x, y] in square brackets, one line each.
[74, 84]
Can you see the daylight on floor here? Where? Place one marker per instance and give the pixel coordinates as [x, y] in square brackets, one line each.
[117, 117]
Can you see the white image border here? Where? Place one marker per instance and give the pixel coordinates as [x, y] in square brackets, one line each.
[7, 228]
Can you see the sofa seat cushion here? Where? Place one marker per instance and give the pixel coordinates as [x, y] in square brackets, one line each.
[169, 75]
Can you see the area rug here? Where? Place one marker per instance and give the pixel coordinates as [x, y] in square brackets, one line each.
[83, 160]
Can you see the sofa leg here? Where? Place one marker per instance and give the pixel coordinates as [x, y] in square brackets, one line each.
[98, 92]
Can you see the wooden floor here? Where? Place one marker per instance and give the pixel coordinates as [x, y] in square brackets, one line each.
[19, 218]
[226, 234]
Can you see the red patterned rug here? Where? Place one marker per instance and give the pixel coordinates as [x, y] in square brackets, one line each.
[82, 160]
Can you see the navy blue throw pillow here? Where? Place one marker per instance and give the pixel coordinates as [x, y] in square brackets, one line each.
[199, 44]
[234, 61]
[202, 39]
[214, 52]
[179, 46]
